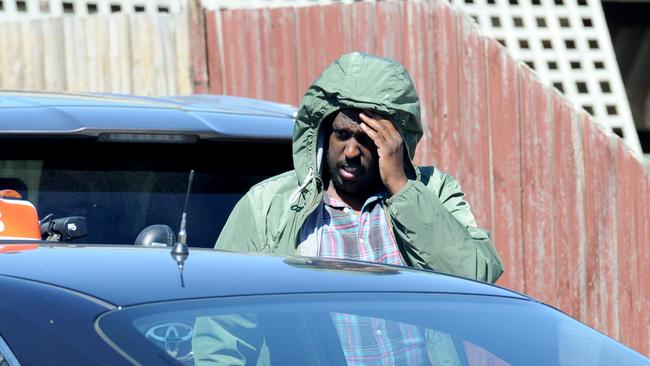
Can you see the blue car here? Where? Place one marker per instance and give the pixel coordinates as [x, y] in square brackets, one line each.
[68, 304]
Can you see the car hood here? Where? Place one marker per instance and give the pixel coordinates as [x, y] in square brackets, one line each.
[127, 275]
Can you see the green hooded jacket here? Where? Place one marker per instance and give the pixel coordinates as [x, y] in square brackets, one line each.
[432, 222]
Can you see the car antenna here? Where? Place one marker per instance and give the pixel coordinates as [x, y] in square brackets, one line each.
[180, 250]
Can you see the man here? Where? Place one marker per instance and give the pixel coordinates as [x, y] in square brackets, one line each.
[354, 138]
[355, 194]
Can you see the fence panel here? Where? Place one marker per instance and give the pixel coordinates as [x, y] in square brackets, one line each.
[32, 46]
[503, 109]
[311, 38]
[75, 57]
[538, 180]
[237, 73]
[389, 21]
[180, 61]
[568, 198]
[143, 56]
[283, 62]
[214, 51]
[54, 66]
[333, 29]
[10, 40]
[258, 32]
[96, 32]
[121, 77]
[642, 212]
[416, 60]
[600, 170]
[138, 54]
[626, 195]
[197, 46]
[359, 27]
[445, 130]
[474, 173]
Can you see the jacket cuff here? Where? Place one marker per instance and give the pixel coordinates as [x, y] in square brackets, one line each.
[402, 192]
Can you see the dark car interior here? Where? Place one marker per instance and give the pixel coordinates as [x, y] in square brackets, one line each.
[121, 188]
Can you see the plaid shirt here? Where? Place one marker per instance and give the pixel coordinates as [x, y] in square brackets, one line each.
[365, 340]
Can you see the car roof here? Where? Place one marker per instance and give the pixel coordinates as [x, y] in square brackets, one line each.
[127, 275]
[92, 115]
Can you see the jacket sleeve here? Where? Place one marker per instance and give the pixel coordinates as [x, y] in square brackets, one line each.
[232, 339]
[240, 234]
[436, 230]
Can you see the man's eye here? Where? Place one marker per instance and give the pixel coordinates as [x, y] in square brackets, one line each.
[341, 134]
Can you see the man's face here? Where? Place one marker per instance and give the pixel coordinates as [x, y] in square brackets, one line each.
[352, 156]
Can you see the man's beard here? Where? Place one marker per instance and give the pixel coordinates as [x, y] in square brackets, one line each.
[364, 178]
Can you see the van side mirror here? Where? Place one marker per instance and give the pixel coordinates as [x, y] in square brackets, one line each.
[156, 236]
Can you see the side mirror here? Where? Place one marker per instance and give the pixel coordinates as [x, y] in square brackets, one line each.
[156, 236]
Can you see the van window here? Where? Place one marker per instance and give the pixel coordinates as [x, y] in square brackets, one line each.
[121, 188]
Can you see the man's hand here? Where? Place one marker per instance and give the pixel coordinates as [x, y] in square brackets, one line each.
[390, 149]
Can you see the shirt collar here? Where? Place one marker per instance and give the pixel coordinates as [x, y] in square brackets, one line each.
[337, 203]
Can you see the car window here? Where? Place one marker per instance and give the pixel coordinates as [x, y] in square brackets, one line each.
[121, 188]
[7, 358]
[370, 328]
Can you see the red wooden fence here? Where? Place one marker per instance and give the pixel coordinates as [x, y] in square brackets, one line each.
[567, 203]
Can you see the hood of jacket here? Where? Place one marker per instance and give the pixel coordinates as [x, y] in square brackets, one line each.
[361, 81]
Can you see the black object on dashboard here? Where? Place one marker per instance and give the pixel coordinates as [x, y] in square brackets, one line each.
[63, 229]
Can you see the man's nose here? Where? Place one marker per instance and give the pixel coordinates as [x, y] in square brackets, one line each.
[352, 149]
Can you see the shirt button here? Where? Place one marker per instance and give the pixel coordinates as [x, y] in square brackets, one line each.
[379, 333]
[362, 241]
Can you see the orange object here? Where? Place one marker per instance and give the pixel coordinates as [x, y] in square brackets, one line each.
[16, 248]
[10, 193]
[18, 220]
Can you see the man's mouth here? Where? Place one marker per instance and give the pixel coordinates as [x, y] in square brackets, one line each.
[349, 172]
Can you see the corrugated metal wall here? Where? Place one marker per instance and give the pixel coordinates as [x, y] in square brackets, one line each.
[566, 202]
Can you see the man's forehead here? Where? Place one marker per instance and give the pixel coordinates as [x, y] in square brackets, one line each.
[348, 117]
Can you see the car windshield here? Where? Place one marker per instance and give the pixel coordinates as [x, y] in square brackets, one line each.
[359, 329]
[121, 188]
